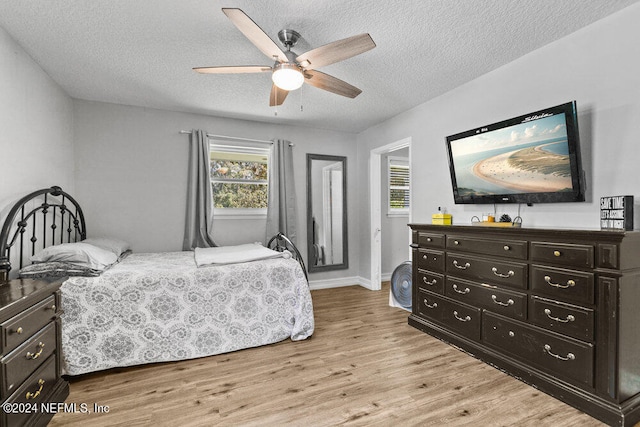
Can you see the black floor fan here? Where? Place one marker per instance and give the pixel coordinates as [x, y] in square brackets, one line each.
[401, 289]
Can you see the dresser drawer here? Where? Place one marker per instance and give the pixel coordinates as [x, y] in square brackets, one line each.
[21, 362]
[508, 303]
[431, 281]
[22, 326]
[430, 240]
[559, 355]
[558, 253]
[572, 320]
[504, 248]
[457, 317]
[566, 285]
[430, 260]
[34, 390]
[489, 271]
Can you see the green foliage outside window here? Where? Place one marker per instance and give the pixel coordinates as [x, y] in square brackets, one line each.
[235, 169]
[239, 180]
[228, 195]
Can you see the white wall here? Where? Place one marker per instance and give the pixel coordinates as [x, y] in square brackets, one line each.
[36, 128]
[598, 66]
[132, 171]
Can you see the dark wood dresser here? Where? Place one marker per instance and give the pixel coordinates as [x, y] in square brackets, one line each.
[31, 361]
[558, 309]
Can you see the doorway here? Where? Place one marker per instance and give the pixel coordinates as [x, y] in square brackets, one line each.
[375, 192]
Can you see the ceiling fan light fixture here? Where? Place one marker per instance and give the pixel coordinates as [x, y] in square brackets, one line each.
[287, 76]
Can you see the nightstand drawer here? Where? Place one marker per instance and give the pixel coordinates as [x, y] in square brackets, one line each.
[561, 356]
[21, 362]
[503, 248]
[20, 327]
[34, 390]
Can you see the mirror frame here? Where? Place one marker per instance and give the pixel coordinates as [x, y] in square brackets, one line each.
[345, 246]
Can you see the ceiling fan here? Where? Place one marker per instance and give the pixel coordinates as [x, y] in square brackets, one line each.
[290, 71]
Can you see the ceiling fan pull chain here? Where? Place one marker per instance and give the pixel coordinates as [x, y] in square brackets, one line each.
[275, 95]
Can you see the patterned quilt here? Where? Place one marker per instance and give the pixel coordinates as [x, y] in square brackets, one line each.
[159, 307]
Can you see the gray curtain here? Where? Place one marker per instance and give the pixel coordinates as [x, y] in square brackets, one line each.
[198, 230]
[282, 212]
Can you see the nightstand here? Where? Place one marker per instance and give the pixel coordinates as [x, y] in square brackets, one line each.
[30, 367]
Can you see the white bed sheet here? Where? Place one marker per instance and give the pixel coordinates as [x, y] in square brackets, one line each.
[159, 307]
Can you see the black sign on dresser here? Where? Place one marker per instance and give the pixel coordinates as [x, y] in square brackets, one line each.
[616, 213]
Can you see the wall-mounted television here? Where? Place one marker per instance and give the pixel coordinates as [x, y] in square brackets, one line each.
[533, 158]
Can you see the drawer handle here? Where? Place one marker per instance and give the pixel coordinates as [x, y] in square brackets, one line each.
[510, 273]
[504, 304]
[37, 392]
[464, 291]
[34, 356]
[506, 247]
[426, 282]
[557, 253]
[570, 318]
[570, 283]
[461, 267]
[462, 319]
[570, 356]
[19, 331]
[429, 239]
[455, 242]
[434, 305]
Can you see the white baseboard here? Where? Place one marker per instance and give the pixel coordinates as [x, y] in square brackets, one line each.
[340, 282]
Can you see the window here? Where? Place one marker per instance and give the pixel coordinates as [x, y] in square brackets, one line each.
[398, 179]
[239, 179]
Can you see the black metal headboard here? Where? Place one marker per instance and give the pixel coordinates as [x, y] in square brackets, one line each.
[43, 218]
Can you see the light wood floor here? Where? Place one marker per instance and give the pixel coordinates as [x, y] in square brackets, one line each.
[364, 366]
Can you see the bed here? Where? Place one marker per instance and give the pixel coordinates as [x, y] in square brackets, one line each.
[153, 307]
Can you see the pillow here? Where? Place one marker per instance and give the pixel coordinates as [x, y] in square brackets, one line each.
[80, 253]
[111, 244]
[41, 270]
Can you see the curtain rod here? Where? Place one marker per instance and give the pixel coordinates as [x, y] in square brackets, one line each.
[210, 135]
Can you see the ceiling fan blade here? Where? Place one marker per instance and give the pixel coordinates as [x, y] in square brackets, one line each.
[241, 69]
[255, 34]
[336, 51]
[277, 96]
[331, 84]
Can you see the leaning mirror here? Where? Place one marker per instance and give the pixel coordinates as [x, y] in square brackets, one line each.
[326, 212]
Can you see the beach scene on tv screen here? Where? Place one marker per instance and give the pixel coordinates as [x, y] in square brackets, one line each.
[530, 157]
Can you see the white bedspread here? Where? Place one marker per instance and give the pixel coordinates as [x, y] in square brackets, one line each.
[160, 307]
[236, 254]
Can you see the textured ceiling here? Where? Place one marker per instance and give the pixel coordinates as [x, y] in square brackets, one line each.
[142, 52]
